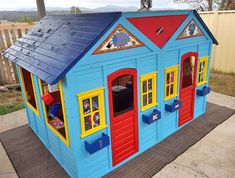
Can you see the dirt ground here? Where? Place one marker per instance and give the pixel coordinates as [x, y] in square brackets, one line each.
[223, 83]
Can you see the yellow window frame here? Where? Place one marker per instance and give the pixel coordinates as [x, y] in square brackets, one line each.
[88, 95]
[65, 140]
[143, 78]
[175, 82]
[201, 60]
[35, 110]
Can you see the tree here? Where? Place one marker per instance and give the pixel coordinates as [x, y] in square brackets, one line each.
[209, 5]
[27, 19]
[75, 10]
[227, 5]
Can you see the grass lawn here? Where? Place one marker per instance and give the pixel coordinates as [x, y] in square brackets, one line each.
[223, 83]
[10, 101]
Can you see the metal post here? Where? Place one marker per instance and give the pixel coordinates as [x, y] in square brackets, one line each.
[41, 9]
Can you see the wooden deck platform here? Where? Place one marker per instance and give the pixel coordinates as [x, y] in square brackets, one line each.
[31, 159]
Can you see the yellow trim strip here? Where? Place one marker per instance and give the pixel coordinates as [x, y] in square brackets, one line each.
[88, 95]
[175, 83]
[146, 77]
[65, 140]
[35, 110]
[203, 59]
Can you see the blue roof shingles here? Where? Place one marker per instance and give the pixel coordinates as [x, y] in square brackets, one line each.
[56, 43]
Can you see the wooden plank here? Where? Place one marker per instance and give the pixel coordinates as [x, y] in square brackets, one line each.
[19, 32]
[1, 41]
[2, 75]
[7, 38]
[7, 71]
[222, 25]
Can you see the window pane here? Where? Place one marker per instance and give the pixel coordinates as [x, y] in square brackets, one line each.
[86, 106]
[167, 78]
[144, 99]
[96, 119]
[167, 90]
[87, 121]
[202, 77]
[203, 65]
[171, 89]
[95, 103]
[199, 77]
[144, 86]
[150, 84]
[172, 77]
[200, 66]
[150, 98]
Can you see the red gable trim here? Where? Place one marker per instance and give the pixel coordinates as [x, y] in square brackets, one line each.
[158, 29]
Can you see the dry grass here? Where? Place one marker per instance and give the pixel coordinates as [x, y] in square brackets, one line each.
[223, 83]
[10, 101]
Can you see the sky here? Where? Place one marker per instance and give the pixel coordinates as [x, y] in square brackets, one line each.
[26, 4]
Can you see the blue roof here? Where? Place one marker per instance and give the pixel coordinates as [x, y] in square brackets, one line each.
[56, 43]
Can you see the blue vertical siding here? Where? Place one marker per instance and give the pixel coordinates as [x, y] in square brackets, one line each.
[147, 133]
[57, 148]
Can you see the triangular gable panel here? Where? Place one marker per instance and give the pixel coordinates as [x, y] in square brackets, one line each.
[158, 29]
[119, 39]
[191, 30]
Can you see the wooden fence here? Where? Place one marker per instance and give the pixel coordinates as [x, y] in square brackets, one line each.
[222, 25]
[9, 32]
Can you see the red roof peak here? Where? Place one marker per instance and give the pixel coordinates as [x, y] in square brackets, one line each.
[158, 29]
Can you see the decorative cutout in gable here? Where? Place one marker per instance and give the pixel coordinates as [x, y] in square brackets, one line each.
[119, 39]
[191, 30]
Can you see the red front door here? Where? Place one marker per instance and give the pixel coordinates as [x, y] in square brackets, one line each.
[123, 114]
[187, 86]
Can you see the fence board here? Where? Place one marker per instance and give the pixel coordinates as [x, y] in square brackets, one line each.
[222, 25]
[9, 33]
[2, 73]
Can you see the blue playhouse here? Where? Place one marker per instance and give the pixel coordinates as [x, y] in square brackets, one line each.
[102, 88]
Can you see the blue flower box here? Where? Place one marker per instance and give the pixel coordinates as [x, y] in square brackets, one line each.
[176, 105]
[98, 144]
[204, 91]
[155, 115]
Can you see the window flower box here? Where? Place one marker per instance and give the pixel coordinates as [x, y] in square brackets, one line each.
[204, 91]
[98, 144]
[176, 105]
[155, 115]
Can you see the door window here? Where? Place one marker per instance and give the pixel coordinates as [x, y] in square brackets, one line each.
[122, 93]
[188, 72]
